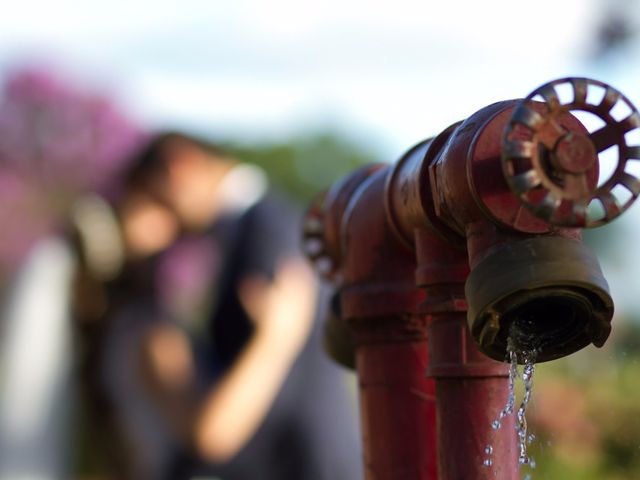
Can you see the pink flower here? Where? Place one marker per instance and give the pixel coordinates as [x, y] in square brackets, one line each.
[56, 142]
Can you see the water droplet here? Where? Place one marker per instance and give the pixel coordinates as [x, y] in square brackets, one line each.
[496, 425]
[527, 477]
[488, 449]
[532, 463]
[531, 438]
[488, 462]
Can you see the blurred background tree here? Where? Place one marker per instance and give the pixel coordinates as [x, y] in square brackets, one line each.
[305, 165]
[57, 141]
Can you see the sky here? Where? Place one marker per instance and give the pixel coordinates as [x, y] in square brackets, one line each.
[390, 72]
[386, 73]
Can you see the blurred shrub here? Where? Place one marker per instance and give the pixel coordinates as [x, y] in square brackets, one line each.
[303, 166]
[586, 412]
[56, 142]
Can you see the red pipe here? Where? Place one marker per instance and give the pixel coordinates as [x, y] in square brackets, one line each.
[403, 241]
[471, 388]
[379, 301]
[397, 405]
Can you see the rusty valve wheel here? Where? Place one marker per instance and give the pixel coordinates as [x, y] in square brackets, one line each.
[313, 241]
[554, 171]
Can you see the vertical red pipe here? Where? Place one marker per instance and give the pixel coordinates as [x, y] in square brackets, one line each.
[379, 301]
[471, 391]
[397, 403]
[471, 388]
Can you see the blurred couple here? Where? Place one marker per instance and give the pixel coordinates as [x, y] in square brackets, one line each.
[202, 355]
[195, 334]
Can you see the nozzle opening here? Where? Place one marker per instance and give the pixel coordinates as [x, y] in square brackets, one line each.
[554, 322]
[545, 294]
[556, 318]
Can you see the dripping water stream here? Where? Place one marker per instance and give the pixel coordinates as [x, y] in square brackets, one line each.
[521, 419]
[527, 357]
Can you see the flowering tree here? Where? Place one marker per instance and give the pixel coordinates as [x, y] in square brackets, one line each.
[56, 142]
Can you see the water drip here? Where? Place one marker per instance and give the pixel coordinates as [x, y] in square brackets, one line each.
[527, 358]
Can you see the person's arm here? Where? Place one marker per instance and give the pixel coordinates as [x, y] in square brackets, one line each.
[233, 410]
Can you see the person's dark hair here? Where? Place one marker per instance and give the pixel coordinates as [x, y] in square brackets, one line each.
[152, 159]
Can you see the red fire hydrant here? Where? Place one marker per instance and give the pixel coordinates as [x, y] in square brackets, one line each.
[470, 242]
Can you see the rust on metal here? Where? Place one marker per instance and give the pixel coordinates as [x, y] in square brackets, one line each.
[471, 237]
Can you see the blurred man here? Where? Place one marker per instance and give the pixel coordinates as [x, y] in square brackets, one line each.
[234, 386]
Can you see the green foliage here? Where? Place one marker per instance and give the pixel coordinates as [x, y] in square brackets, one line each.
[304, 166]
